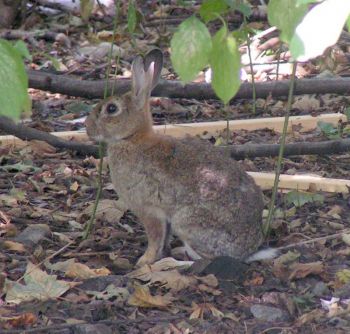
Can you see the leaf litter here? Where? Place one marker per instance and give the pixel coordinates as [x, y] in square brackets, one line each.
[47, 196]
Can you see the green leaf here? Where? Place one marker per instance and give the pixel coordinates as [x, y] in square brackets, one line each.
[328, 130]
[347, 114]
[285, 15]
[210, 9]
[306, 2]
[22, 49]
[190, 48]
[348, 23]
[86, 7]
[299, 198]
[14, 97]
[225, 61]
[132, 17]
[245, 9]
[319, 29]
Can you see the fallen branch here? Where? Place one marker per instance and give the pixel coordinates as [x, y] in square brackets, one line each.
[26, 133]
[303, 148]
[237, 151]
[201, 91]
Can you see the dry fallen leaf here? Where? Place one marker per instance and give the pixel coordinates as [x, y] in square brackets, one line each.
[209, 280]
[143, 298]
[145, 272]
[74, 186]
[108, 210]
[77, 270]
[13, 246]
[38, 286]
[301, 270]
[309, 317]
[111, 292]
[198, 311]
[22, 320]
[41, 147]
[172, 280]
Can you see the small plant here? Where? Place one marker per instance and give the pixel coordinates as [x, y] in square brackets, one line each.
[300, 198]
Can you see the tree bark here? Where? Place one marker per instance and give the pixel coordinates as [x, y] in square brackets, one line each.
[175, 89]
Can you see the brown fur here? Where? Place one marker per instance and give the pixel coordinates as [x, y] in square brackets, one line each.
[209, 201]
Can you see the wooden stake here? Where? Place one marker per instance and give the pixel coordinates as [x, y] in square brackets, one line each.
[306, 123]
[301, 182]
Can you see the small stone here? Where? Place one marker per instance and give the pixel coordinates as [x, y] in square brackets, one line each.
[320, 289]
[268, 313]
[93, 329]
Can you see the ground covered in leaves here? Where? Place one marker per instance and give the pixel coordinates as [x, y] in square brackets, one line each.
[46, 198]
[52, 280]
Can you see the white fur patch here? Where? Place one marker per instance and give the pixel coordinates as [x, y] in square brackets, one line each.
[264, 254]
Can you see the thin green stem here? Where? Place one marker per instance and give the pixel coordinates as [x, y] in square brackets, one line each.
[278, 61]
[90, 224]
[226, 106]
[251, 68]
[101, 147]
[281, 151]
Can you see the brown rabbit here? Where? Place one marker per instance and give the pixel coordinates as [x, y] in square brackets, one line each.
[186, 187]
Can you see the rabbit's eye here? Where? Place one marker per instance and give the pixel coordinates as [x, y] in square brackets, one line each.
[111, 109]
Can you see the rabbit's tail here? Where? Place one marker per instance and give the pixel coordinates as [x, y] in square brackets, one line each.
[264, 254]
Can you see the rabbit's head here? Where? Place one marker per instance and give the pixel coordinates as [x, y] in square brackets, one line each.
[120, 118]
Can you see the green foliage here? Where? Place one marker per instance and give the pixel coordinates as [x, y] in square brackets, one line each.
[348, 23]
[191, 46]
[211, 9]
[132, 17]
[347, 113]
[285, 15]
[22, 49]
[299, 198]
[86, 7]
[225, 60]
[329, 130]
[14, 97]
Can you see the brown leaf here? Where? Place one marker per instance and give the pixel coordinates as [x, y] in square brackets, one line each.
[309, 317]
[301, 270]
[41, 148]
[255, 281]
[209, 280]
[143, 298]
[22, 320]
[14, 246]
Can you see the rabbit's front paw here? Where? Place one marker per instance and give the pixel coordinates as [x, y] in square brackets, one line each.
[146, 258]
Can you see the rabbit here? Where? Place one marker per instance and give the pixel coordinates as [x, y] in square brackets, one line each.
[184, 187]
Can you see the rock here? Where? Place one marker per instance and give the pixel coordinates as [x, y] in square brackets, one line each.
[33, 234]
[93, 329]
[320, 289]
[268, 313]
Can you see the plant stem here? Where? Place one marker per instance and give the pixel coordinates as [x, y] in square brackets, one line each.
[251, 69]
[281, 151]
[101, 147]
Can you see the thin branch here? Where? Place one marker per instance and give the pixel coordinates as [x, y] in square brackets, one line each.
[68, 85]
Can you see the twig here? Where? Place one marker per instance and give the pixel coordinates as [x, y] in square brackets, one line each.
[310, 241]
[47, 259]
[26, 133]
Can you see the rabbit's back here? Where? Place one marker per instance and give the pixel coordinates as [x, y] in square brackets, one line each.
[209, 199]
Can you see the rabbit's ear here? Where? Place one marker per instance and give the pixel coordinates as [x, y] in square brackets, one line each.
[145, 75]
[154, 63]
